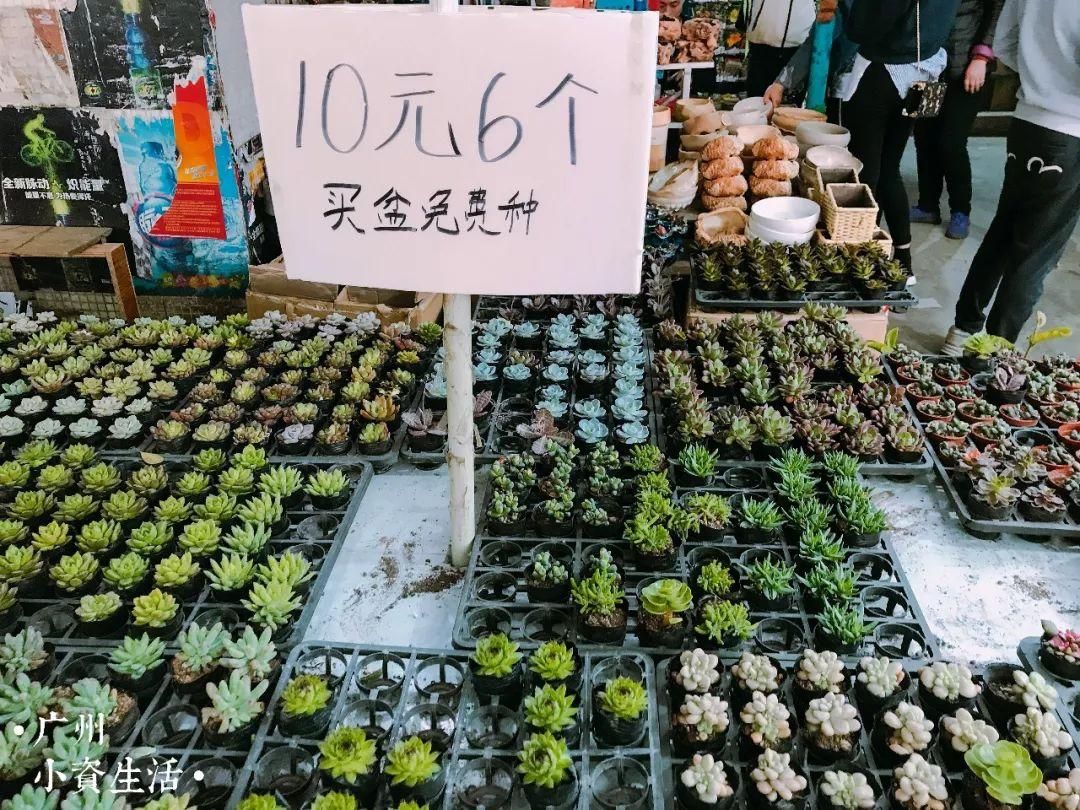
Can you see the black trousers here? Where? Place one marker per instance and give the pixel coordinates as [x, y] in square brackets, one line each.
[763, 65]
[879, 135]
[1036, 214]
[941, 149]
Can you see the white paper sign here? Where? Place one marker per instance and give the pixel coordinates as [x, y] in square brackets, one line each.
[493, 150]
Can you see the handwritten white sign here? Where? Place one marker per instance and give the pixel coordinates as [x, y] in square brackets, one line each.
[495, 150]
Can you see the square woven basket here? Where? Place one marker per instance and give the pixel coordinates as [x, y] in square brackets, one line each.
[850, 212]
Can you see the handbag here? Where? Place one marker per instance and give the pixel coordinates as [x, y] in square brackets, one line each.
[924, 99]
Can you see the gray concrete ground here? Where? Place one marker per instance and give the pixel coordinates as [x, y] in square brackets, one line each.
[391, 585]
[941, 264]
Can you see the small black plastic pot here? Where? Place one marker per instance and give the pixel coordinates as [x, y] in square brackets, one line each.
[558, 593]
[426, 793]
[426, 442]
[655, 562]
[172, 727]
[871, 705]
[756, 799]
[998, 678]
[670, 636]
[485, 783]
[142, 687]
[981, 510]
[561, 795]
[507, 688]
[330, 503]
[167, 630]
[514, 528]
[935, 708]
[609, 634]
[885, 756]
[234, 739]
[106, 627]
[1057, 663]
[828, 756]
[208, 782]
[289, 772]
[312, 725]
[615, 732]
[827, 641]
[686, 479]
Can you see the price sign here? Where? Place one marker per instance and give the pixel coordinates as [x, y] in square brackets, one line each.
[495, 150]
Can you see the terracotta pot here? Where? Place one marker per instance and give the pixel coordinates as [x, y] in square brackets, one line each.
[1065, 430]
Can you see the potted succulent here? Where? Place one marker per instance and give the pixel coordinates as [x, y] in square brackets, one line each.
[693, 672]
[550, 709]
[696, 466]
[620, 711]
[1041, 504]
[75, 574]
[901, 732]
[414, 771]
[495, 666]
[156, 613]
[832, 728]
[601, 615]
[306, 705]
[1059, 651]
[328, 489]
[755, 673]
[234, 710]
[841, 628]
[138, 664]
[880, 682]
[723, 623]
[554, 663]
[700, 724]
[776, 783]
[548, 774]
[772, 582]
[546, 579]
[115, 710]
[1000, 774]
[1040, 732]
[661, 621]
[919, 785]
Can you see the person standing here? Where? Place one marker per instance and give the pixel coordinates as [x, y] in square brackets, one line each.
[775, 29]
[900, 42]
[1040, 200]
[941, 142]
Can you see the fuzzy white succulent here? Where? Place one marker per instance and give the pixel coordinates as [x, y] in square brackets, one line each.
[11, 426]
[84, 428]
[31, 405]
[911, 731]
[707, 779]
[849, 791]
[707, 713]
[697, 670]
[948, 681]
[766, 719]
[69, 406]
[1062, 793]
[965, 730]
[820, 671]
[125, 427]
[140, 405]
[1041, 733]
[1032, 690]
[881, 676]
[832, 716]
[756, 673]
[774, 777]
[107, 406]
[919, 784]
[47, 428]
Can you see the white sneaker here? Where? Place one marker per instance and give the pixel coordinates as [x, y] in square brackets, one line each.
[954, 342]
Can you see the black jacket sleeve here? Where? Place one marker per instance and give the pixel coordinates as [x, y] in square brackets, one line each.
[872, 20]
[991, 12]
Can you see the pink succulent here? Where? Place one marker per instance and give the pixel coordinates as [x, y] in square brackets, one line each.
[1066, 642]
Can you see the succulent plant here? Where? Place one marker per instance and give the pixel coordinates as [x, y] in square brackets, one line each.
[920, 785]
[74, 571]
[623, 698]
[848, 790]
[272, 603]
[495, 656]
[21, 699]
[411, 762]
[69, 750]
[234, 703]
[948, 681]
[1041, 733]
[347, 754]
[765, 720]
[552, 661]
[155, 609]
[965, 731]
[305, 695]
[137, 656]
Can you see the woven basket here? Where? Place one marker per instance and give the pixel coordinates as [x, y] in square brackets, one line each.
[881, 238]
[814, 178]
[850, 212]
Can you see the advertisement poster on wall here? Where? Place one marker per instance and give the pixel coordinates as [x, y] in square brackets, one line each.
[186, 214]
[34, 64]
[57, 167]
[126, 53]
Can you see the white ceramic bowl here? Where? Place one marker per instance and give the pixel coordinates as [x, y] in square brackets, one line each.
[743, 119]
[791, 215]
[819, 133]
[833, 157]
[757, 231]
[753, 104]
[752, 134]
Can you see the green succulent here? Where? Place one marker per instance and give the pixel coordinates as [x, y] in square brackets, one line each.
[1006, 769]
[552, 661]
[624, 698]
[54, 478]
[327, 483]
[231, 572]
[201, 647]
[544, 760]
[74, 571]
[97, 607]
[254, 653]
[495, 656]
[290, 568]
[8, 597]
[30, 504]
[12, 531]
[271, 603]
[75, 507]
[126, 571]
[251, 458]
[78, 456]
[148, 539]
[220, 508]
[598, 594]
[37, 453]
[666, 598]
[259, 801]
[200, 538]
[209, 460]
[20, 563]
[175, 570]
[234, 703]
[100, 479]
[336, 800]
[192, 484]
[21, 699]
[715, 579]
[172, 510]
[155, 609]
[722, 619]
[411, 762]
[771, 577]
[699, 461]
[347, 754]
[89, 698]
[148, 480]
[51, 537]
[305, 695]
[123, 505]
[835, 583]
[237, 481]
[137, 656]
[264, 508]
[69, 750]
[549, 708]
[248, 538]
[844, 623]
[98, 536]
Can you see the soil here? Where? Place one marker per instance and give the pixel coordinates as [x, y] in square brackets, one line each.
[839, 744]
[616, 618]
[125, 704]
[439, 580]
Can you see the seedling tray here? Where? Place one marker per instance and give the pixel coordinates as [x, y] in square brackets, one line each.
[495, 596]
[1016, 523]
[841, 294]
[877, 768]
[1068, 691]
[397, 692]
[323, 530]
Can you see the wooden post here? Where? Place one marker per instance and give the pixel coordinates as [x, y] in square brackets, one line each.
[457, 339]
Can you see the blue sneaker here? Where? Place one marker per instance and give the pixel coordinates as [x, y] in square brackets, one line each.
[925, 217]
[959, 226]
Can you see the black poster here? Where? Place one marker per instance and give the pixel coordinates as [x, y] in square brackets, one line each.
[57, 167]
[126, 53]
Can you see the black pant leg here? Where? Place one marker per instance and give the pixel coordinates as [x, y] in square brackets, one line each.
[928, 160]
[867, 115]
[957, 117]
[891, 192]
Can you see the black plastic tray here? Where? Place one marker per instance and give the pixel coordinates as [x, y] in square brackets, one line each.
[877, 769]
[899, 301]
[495, 595]
[408, 710]
[55, 617]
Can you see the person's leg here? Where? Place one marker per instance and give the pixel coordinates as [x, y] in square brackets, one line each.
[958, 115]
[931, 171]
[1024, 217]
[891, 194]
[867, 116]
[1049, 188]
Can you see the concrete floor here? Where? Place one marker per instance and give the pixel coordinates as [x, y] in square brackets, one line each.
[941, 264]
[391, 585]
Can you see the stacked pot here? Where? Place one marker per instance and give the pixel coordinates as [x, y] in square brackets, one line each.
[722, 182]
[775, 166]
[701, 123]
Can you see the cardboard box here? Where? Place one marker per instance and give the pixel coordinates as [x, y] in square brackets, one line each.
[391, 306]
[270, 279]
[258, 304]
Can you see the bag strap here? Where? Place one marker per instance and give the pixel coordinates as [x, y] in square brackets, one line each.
[918, 32]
